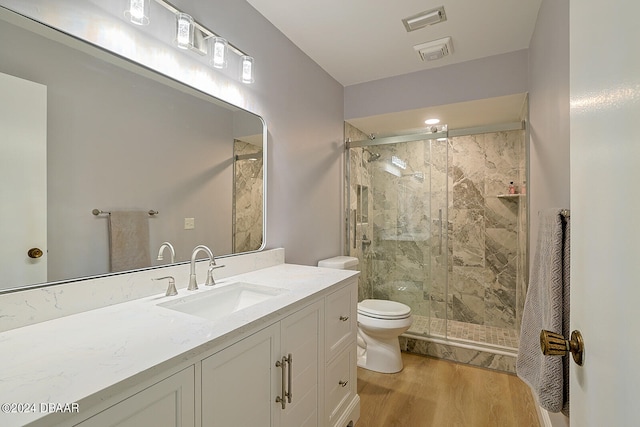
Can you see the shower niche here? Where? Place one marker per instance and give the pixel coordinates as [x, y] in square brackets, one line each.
[430, 231]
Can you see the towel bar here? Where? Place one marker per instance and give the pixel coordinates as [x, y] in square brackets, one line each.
[99, 212]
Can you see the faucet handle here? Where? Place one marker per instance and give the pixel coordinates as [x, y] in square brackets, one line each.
[171, 290]
[210, 281]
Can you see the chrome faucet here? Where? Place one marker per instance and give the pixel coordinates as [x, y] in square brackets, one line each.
[164, 246]
[193, 284]
[171, 290]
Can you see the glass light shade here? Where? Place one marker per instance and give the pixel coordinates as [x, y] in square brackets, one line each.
[184, 31]
[138, 12]
[218, 48]
[247, 69]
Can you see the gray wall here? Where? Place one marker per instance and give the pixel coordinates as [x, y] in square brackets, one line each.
[303, 108]
[301, 103]
[119, 141]
[549, 111]
[489, 77]
[549, 119]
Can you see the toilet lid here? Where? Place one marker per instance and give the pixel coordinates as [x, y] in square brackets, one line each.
[384, 309]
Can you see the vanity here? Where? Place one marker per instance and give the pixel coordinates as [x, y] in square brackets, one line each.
[283, 355]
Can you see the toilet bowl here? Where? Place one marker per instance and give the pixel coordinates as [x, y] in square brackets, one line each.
[380, 323]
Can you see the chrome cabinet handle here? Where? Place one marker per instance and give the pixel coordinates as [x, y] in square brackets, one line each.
[343, 383]
[287, 378]
[289, 394]
[344, 318]
[282, 400]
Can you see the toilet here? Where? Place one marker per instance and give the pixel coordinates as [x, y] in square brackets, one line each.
[380, 323]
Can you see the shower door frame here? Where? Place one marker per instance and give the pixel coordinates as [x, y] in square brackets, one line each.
[451, 133]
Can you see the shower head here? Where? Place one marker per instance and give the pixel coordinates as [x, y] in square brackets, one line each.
[372, 156]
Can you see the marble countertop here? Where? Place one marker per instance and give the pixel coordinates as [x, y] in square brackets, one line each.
[88, 357]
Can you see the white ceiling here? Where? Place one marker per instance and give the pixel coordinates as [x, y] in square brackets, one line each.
[462, 115]
[357, 41]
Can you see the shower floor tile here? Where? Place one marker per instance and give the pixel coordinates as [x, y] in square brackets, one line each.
[466, 331]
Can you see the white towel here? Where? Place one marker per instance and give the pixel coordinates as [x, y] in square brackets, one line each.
[129, 240]
[547, 307]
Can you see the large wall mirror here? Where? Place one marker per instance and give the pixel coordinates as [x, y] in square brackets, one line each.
[83, 130]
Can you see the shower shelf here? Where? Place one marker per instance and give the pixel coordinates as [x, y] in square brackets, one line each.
[510, 196]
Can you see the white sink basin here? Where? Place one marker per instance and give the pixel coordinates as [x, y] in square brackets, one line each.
[223, 301]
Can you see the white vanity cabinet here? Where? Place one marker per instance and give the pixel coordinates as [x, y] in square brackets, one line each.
[293, 365]
[342, 404]
[167, 403]
[308, 358]
[245, 384]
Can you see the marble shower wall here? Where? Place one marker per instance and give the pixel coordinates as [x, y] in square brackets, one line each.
[248, 192]
[465, 262]
[488, 237]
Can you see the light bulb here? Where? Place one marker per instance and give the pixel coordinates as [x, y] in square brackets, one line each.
[218, 52]
[184, 31]
[138, 12]
[247, 69]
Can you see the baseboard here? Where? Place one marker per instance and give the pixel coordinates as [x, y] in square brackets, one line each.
[543, 417]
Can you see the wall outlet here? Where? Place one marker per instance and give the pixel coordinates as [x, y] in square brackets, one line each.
[189, 223]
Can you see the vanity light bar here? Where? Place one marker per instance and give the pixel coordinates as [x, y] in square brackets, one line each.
[205, 33]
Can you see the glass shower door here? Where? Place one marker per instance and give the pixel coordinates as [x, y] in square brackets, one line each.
[398, 226]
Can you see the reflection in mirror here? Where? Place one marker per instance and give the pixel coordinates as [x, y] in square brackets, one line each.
[117, 138]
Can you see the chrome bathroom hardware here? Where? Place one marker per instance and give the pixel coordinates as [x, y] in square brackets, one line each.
[440, 243]
[210, 281]
[355, 227]
[97, 212]
[164, 246]
[286, 380]
[171, 290]
[193, 284]
[343, 383]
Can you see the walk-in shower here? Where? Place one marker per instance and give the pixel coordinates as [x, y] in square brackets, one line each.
[433, 226]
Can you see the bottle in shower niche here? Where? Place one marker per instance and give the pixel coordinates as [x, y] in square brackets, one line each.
[512, 188]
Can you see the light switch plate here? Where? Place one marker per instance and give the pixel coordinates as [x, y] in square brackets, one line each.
[189, 223]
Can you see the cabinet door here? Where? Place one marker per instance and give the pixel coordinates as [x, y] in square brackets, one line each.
[300, 338]
[237, 382]
[341, 320]
[340, 384]
[168, 403]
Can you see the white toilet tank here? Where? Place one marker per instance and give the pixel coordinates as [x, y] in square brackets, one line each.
[340, 263]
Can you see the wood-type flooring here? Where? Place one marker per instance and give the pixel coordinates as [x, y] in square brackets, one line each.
[432, 392]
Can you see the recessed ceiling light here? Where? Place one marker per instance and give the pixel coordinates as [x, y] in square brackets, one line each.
[432, 121]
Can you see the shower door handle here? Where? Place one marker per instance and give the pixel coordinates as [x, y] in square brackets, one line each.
[355, 231]
[440, 243]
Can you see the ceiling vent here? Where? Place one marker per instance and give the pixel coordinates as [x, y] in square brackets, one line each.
[422, 19]
[434, 50]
